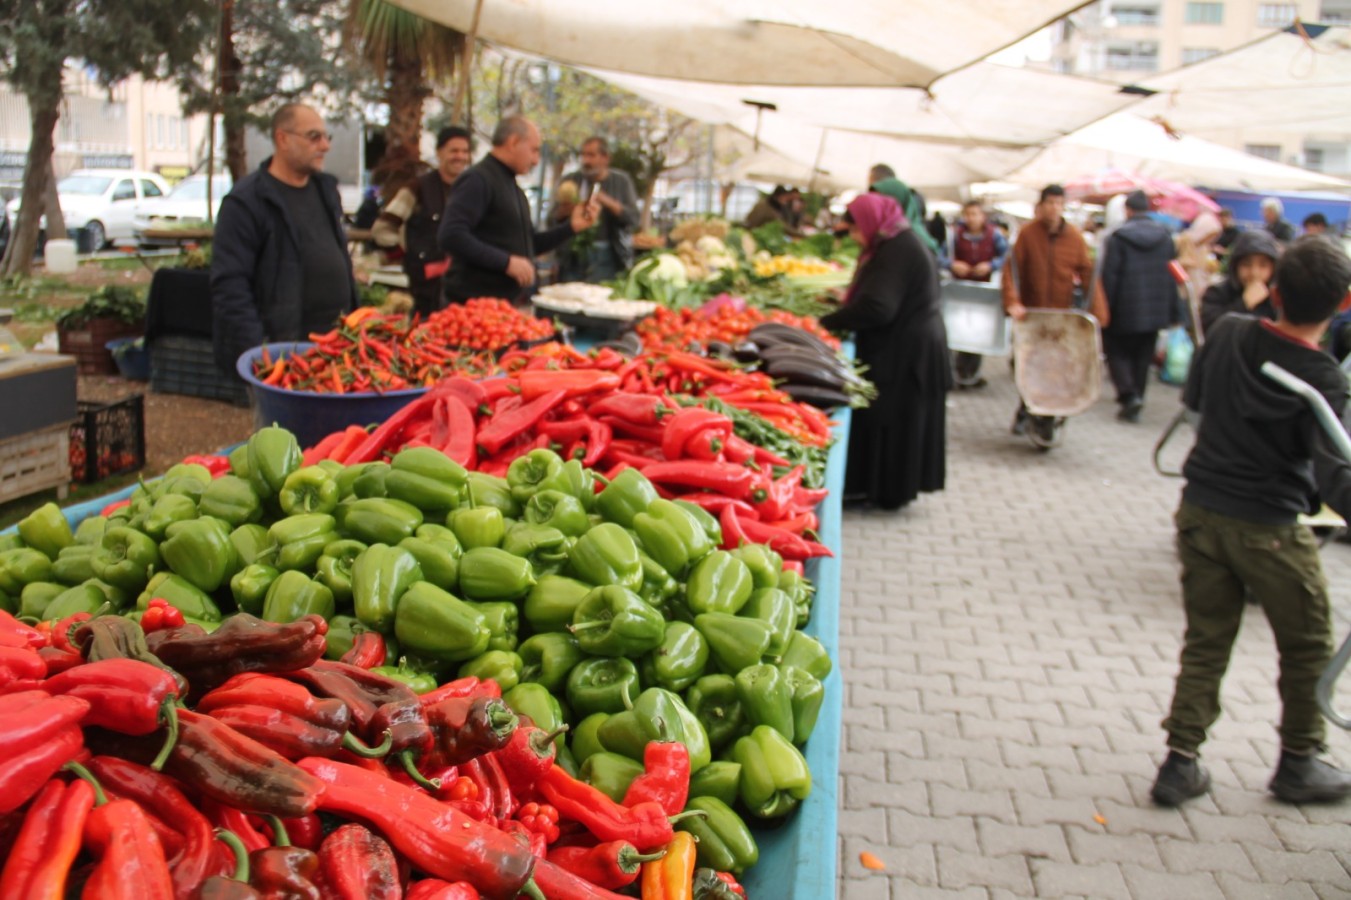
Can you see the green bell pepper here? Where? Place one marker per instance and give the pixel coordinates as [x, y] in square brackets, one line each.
[734, 642]
[83, 598]
[607, 555]
[545, 547]
[718, 583]
[253, 544]
[36, 596]
[182, 595]
[378, 520]
[796, 585]
[553, 601]
[125, 558]
[602, 685]
[723, 840]
[720, 778]
[332, 467]
[585, 738]
[9, 603]
[657, 715]
[11, 541]
[439, 560]
[501, 666]
[294, 595]
[90, 531]
[614, 621]
[440, 534]
[709, 522]
[504, 623]
[239, 461]
[558, 510]
[116, 597]
[538, 470]
[273, 454]
[610, 773]
[24, 565]
[713, 700]
[541, 706]
[369, 483]
[195, 471]
[480, 526]
[580, 482]
[627, 494]
[405, 673]
[334, 568]
[346, 480]
[775, 608]
[200, 551]
[232, 499]
[767, 698]
[301, 539]
[808, 654]
[490, 490]
[46, 530]
[249, 587]
[74, 565]
[548, 658]
[426, 478]
[764, 564]
[491, 573]
[679, 661]
[809, 695]
[190, 485]
[671, 536]
[658, 588]
[437, 624]
[774, 776]
[381, 575]
[309, 490]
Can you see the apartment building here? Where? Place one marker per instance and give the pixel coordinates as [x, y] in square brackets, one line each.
[1127, 40]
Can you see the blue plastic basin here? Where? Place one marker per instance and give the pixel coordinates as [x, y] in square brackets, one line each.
[312, 417]
[133, 363]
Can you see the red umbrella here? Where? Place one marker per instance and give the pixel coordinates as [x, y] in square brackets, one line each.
[1103, 186]
[1169, 197]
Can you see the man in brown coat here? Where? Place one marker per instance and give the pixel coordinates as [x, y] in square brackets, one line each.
[1049, 268]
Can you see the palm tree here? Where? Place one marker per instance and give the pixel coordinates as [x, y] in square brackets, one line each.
[408, 53]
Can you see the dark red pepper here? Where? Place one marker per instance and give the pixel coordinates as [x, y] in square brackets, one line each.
[357, 864]
[283, 716]
[243, 643]
[466, 727]
[221, 887]
[57, 660]
[283, 871]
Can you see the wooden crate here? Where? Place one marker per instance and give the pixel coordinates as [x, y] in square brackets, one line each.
[88, 343]
[35, 462]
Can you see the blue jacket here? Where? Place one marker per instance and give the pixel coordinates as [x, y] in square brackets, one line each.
[256, 269]
[1141, 292]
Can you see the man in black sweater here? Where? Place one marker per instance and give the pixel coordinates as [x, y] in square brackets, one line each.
[486, 228]
[1260, 460]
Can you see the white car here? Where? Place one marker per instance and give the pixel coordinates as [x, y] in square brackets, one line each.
[185, 203]
[102, 201]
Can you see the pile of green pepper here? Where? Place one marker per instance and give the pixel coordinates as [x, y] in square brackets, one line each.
[601, 606]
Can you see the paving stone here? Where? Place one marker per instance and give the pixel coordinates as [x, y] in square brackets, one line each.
[1054, 811]
[914, 862]
[911, 795]
[1304, 836]
[1056, 879]
[1151, 883]
[876, 887]
[1129, 819]
[1279, 867]
[1249, 829]
[1039, 841]
[1099, 787]
[1236, 888]
[1183, 857]
[906, 829]
[995, 803]
[1029, 780]
[951, 772]
[961, 870]
[1093, 847]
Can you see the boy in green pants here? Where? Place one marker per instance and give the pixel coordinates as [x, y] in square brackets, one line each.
[1260, 459]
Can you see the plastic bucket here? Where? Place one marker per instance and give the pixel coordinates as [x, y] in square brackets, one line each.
[132, 362]
[59, 257]
[312, 417]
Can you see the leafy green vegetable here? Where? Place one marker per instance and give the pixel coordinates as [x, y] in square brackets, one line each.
[112, 301]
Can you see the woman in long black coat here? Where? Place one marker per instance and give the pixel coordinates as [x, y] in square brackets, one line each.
[897, 446]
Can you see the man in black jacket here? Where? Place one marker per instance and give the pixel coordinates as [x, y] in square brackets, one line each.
[1142, 298]
[486, 228]
[280, 268]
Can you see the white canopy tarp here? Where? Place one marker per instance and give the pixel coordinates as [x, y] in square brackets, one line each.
[1299, 78]
[786, 42]
[1134, 144]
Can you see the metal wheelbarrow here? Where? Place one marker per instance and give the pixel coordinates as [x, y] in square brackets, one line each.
[1057, 356]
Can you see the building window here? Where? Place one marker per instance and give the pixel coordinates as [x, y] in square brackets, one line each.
[1335, 12]
[150, 129]
[1205, 14]
[183, 133]
[1313, 158]
[1266, 151]
[1276, 15]
[1135, 15]
[1192, 55]
[1136, 56]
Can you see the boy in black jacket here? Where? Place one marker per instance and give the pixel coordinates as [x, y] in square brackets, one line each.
[1260, 458]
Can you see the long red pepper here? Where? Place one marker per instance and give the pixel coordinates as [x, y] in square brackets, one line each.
[14, 633]
[504, 427]
[785, 543]
[436, 889]
[726, 478]
[357, 864]
[645, 824]
[436, 838]
[40, 734]
[131, 861]
[611, 865]
[40, 860]
[19, 665]
[665, 779]
[125, 695]
[560, 884]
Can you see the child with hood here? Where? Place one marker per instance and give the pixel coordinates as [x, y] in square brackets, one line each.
[1247, 289]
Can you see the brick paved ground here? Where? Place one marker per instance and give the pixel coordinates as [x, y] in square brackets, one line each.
[1009, 647]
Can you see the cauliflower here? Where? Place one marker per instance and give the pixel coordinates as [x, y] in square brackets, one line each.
[669, 269]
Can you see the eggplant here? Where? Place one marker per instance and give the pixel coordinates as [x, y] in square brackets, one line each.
[800, 371]
[778, 333]
[720, 350]
[746, 352]
[801, 355]
[815, 395]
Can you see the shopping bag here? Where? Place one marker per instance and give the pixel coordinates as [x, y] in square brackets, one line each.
[1177, 356]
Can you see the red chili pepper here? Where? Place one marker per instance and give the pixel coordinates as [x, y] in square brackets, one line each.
[383, 437]
[785, 543]
[469, 686]
[705, 445]
[646, 824]
[213, 462]
[115, 506]
[560, 884]
[461, 441]
[236, 821]
[636, 409]
[798, 524]
[687, 423]
[724, 478]
[528, 755]
[324, 448]
[665, 779]
[733, 535]
[648, 434]
[611, 865]
[572, 382]
[40, 860]
[503, 428]
[41, 734]
[367, 651]
[358, 864]
[352, 438]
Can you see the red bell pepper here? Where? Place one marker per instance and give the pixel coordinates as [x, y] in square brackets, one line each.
[14, 633]
[39, 734]
[40, 860]
[20, 664]
[284, 871]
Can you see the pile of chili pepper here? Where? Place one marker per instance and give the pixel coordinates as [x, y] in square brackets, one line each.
[369, 353]
[682, 328]
[486, 324]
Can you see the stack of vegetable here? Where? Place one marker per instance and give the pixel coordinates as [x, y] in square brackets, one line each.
[728, 322]
[486, 324]
[679, 667]
[805, 367]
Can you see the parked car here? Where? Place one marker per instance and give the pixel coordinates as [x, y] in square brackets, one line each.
[102, 201]
[185, 203]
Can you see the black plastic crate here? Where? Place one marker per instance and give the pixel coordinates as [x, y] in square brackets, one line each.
[187, 365]
[107, 439]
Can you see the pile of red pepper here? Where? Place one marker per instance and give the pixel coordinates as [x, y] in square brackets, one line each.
[672, 328]
[113, 781]
[486, 324]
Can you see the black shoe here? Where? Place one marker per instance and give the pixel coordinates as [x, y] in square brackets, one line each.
[970, 384]
[1180, 779]
[1308, 779]
[1130, 410]
[1019, 423]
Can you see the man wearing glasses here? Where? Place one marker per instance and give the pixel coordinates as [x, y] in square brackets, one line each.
[280, 268]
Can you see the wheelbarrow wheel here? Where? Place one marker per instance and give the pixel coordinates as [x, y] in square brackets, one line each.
[1044, 431]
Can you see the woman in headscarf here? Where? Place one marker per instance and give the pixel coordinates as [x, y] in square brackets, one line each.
[897, 446]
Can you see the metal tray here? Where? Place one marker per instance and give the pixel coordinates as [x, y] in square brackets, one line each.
[973, 313]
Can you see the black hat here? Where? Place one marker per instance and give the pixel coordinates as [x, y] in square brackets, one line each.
[1137, 201]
